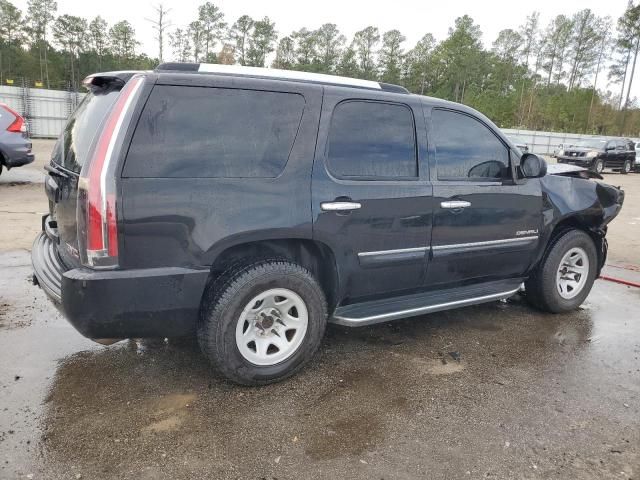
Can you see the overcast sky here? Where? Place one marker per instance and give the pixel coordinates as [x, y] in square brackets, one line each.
[412, 18]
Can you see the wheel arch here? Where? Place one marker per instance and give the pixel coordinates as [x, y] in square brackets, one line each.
[315, 256]
[576, 222]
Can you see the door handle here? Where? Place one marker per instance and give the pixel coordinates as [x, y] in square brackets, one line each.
[455, 204]
[340, 206]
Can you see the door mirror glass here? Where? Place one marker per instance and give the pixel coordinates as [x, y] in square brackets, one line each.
[533, 166]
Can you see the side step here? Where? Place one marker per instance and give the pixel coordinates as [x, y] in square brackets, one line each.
[376, 311]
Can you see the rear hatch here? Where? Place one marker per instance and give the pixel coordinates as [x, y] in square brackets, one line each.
[72, 150]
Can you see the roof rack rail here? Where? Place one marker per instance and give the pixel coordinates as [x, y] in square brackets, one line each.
[279, 74]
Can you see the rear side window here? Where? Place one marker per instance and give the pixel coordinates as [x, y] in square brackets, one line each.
[372, 140]
[73, 145]
[466, 149]
[193, 132]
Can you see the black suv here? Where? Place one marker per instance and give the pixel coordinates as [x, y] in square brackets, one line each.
[600, 153]
[250, 206]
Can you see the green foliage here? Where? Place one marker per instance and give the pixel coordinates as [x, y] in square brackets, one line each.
[262, 42]
[533, 76]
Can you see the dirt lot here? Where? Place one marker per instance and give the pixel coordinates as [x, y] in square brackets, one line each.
[496, 391]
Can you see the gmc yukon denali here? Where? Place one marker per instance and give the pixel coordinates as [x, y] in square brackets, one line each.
[251, 206]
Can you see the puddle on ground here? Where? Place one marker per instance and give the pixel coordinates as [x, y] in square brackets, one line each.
[171, 412]
[411, 393]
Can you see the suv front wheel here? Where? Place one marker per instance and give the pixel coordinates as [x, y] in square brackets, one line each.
[598, 166]
[262, 322]
[565, 276]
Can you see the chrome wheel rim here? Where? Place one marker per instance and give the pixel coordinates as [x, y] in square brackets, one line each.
[599, 166]
[572, 273]
[626, 167]
[272, 326]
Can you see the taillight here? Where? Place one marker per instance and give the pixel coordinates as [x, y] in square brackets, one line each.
[18, 125]
[97, 219]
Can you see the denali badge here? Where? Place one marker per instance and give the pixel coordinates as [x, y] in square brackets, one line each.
[520, 233]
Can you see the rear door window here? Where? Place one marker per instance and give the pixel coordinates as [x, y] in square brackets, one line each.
[466, 149]
[196, 132]
[372, 140]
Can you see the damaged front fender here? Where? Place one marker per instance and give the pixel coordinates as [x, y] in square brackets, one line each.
[571, 201]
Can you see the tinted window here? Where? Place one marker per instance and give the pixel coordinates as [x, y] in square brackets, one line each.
[214, 132]
[74, 142]
[372, 139]
[466, 149]
[621, 145]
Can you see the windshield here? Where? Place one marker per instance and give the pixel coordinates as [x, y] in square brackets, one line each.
[74, 142]
[596, 143]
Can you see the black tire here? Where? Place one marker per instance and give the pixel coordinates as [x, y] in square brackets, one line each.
[626, 168]
[224, 302]
[541, 289]
[598, 166]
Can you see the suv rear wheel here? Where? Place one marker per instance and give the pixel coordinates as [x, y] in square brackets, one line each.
[565, 276]
[626, 168]
[262, 322]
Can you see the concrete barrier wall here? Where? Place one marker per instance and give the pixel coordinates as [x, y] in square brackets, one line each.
[46, 111]
[545, 143]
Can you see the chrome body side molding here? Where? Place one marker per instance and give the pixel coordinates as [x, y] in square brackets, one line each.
[385, 258]
[506, 242]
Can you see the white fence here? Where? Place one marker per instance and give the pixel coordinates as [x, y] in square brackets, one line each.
[45, 110]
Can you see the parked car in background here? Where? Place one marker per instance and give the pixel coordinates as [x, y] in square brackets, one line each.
[598, 154]
[251, 206]
[15, 146]
[524, 148]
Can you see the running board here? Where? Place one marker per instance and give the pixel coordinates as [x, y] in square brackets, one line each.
[377, 311]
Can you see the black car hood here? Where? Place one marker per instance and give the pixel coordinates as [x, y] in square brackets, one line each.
[583, 149]
[567, 170]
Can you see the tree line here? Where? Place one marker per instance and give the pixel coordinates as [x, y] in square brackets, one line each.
[575, 73]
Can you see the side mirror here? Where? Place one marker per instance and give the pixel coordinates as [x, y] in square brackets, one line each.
[533, 166]
[608, 148]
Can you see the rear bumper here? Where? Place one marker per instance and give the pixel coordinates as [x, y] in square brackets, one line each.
[156, 302]
[16, 150]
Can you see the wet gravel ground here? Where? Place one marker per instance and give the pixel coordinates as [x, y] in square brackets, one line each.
[496, 391]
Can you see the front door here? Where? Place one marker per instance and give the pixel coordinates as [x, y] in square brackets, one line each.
[371, 203]
[485, 225]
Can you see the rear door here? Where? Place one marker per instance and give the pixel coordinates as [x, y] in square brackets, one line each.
[370, 201]
[485, 225]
